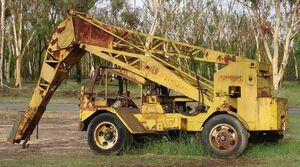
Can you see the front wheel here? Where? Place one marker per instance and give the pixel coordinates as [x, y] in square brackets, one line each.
[107, 135]
[224, 136]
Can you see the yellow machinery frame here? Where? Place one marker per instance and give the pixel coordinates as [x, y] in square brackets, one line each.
[242, 88]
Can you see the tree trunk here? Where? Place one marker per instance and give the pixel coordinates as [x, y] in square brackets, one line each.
[92, 64]
[296, 67]
[78, 72]
[10, 51]
[30, 69]
[32, 66]
[40, 55]
[276, 76]
[18, 38]
[18, 83]
[18, 45]
[276, 82]
[10, 47]
[156, 9]
[258, 55]
[2, 40]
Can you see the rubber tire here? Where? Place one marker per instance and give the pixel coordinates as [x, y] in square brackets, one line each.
[236, 124]
[123, 134]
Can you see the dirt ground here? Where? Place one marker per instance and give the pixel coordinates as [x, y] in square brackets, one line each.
[58, 136]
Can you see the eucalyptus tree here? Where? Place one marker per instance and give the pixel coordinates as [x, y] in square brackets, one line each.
[2, 22]
[277, 24]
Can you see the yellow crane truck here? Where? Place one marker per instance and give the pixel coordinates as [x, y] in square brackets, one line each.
[173, 93]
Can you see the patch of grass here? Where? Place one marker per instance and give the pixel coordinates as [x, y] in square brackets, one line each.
[290, 90]
[283, 153]
[187, 145]
[67, 92]
[283, 149]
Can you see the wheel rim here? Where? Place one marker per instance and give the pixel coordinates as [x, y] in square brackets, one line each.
[223, 138]
[106, 135]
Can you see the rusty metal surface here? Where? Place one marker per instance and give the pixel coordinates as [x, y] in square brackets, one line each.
[19, 118]
[44, 91]
[283, 110]
[126, 74]
[87, 33]
[127, 115]
[226, 59]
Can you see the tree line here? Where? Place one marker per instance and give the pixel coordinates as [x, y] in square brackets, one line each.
[267, 31]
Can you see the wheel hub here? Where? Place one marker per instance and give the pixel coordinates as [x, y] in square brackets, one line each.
[223, 137]
[106, 135]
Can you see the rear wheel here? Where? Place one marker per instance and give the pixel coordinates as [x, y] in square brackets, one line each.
[107, 135]
[224, 136]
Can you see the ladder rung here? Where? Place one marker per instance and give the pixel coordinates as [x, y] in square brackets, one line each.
[44, 84]
[51, 61]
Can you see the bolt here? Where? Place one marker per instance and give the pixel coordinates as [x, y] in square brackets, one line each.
[108, 136]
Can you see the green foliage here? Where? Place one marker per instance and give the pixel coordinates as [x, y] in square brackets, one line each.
[297, 44]
[63, 5]
[117, 6]
[130, 18]
[297, 50]
[119, 12]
